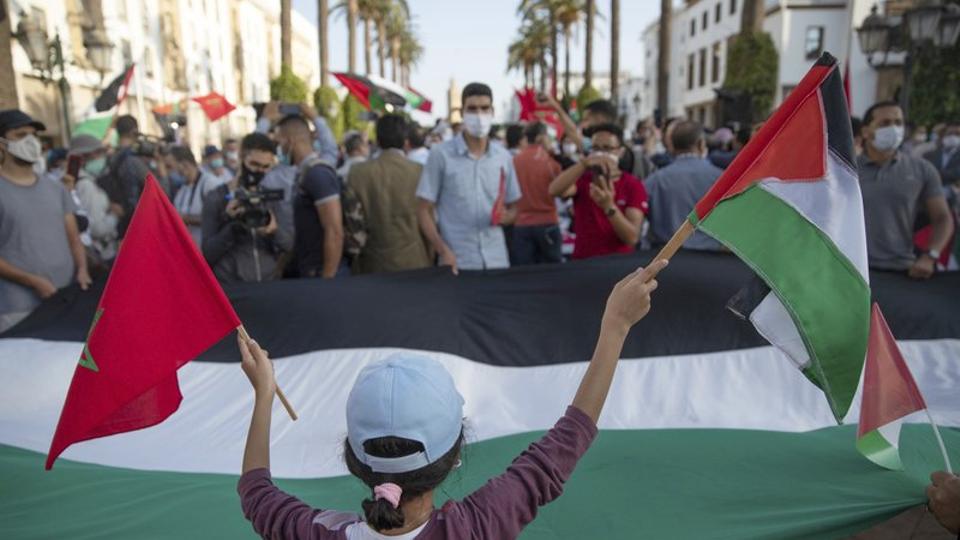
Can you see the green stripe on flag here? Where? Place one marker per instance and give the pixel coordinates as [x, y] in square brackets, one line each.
[824, 293]
[879, 450]
[96, 126]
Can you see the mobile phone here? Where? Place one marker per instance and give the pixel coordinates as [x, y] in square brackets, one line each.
[73, 165]
[286, 109]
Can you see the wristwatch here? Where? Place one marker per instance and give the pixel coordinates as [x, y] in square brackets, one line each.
[933, 254]
[610, 211]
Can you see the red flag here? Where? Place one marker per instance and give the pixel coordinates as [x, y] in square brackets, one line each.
[214, 106]
[161, 308]
[846, 84]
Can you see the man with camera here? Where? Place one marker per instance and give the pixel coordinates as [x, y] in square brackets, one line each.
[241, 237]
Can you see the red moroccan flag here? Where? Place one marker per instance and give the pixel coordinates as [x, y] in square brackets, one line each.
[214, 106]
[161, 308]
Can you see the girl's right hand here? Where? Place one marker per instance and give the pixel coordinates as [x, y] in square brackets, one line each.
[257, 367]
[630, 300]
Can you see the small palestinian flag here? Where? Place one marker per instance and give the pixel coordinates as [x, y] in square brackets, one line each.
[115, 92]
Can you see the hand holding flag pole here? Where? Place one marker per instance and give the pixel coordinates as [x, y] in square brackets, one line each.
[283, 398]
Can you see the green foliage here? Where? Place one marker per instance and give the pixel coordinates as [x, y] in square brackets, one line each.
[752, 66]
[586, 96]
[327, 104]
[351, 111]
[933, 91]
[288, 88]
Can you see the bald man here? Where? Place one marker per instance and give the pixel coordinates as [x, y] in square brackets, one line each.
[317, 216]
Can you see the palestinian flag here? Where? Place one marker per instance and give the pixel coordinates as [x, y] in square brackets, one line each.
[96, 125]
[701, 405]
[115, 92]
[372, 95]
[789, 205]
[418, 101]
[889, 395]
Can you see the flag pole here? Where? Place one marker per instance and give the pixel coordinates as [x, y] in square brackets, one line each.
[283, 399]
[936, 433]
[676, 242]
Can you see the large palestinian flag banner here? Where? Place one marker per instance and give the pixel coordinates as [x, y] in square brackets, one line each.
[709, 432]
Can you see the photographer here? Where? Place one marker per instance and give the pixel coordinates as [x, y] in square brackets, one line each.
[241, 237]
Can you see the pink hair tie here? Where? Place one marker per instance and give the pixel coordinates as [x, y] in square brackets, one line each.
[390, 492]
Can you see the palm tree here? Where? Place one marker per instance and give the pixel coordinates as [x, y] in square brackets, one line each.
[751, 17]
[286, 57]
[663, 59]
[353, 9]
[368, 10]
[614, 49]
[527, 51]
[322, 16]
[568, 13]
[411, 51]
[395, 25]
[589, 10]
[545, 9]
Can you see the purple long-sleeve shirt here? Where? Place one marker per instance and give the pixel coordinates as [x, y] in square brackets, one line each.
[499, 509]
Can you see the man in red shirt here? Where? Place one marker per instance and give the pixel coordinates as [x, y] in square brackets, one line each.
[536, 233]
[608, 204]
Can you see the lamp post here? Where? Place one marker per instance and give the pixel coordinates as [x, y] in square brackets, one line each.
[45, 56]
[928, 23]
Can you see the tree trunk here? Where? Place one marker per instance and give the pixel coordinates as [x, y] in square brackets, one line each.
[554, 53]
[588, 61]
[367, 45]
[663, 59]
[751, 18]
[8, 91]
[286, 56]
[395, 58]
[544, 75]
[566, 63]
[382, 46]
[614, 50]
[352, 36]
[323, 13]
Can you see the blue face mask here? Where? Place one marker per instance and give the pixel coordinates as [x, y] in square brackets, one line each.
[587, 145]
[216, 163]
[176, 179]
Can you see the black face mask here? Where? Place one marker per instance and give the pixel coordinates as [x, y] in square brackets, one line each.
[249, 179]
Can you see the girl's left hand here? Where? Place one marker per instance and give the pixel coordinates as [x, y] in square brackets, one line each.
[257, 367]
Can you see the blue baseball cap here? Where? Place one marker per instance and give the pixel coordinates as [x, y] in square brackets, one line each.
[406, 396]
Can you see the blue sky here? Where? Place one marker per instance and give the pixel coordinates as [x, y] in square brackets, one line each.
[467, 41]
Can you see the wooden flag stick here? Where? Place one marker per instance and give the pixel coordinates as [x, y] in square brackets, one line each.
[283, 399]
[943, 449]
[676, 242]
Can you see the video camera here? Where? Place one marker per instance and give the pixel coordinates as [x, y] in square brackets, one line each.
[253, 203]
[146, 146]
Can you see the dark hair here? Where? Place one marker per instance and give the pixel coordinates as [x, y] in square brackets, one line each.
[257, 141]
[743, 135]
[604, 108]
[475, 89]
[126, 125]
[868, 116]
[534, 130]
[380, 514]
[856, 125]
[183, 154]
[414, 135]
[293, 119]
[231, 140]
[390, 131]
[610, 128]
[686, 135]
[514, 134]
[352, 142]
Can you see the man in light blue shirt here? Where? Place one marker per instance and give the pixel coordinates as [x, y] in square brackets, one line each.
[469, 189]
[675, 189]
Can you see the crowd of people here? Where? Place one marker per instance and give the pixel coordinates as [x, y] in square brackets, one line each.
[288, 201]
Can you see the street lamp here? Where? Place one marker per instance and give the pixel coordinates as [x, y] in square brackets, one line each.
[44, 56]
[929, 23]
[99, 50]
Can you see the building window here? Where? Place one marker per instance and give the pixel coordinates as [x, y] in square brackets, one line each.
[717, 12]
[813, 44]
[693, 27]
[733, 6]
[690, 65]
[706, 17]
[715, 72]
[703, 67]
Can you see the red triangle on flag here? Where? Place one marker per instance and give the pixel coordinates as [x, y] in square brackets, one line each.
[161, 308]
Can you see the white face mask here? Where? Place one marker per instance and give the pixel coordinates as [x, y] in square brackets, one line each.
[951, 141]
[478, 125]
[569, 148]
[28, 148]
[888, 138]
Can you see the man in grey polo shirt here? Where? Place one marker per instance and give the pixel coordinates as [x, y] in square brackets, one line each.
[895, 187]
[469, 188]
